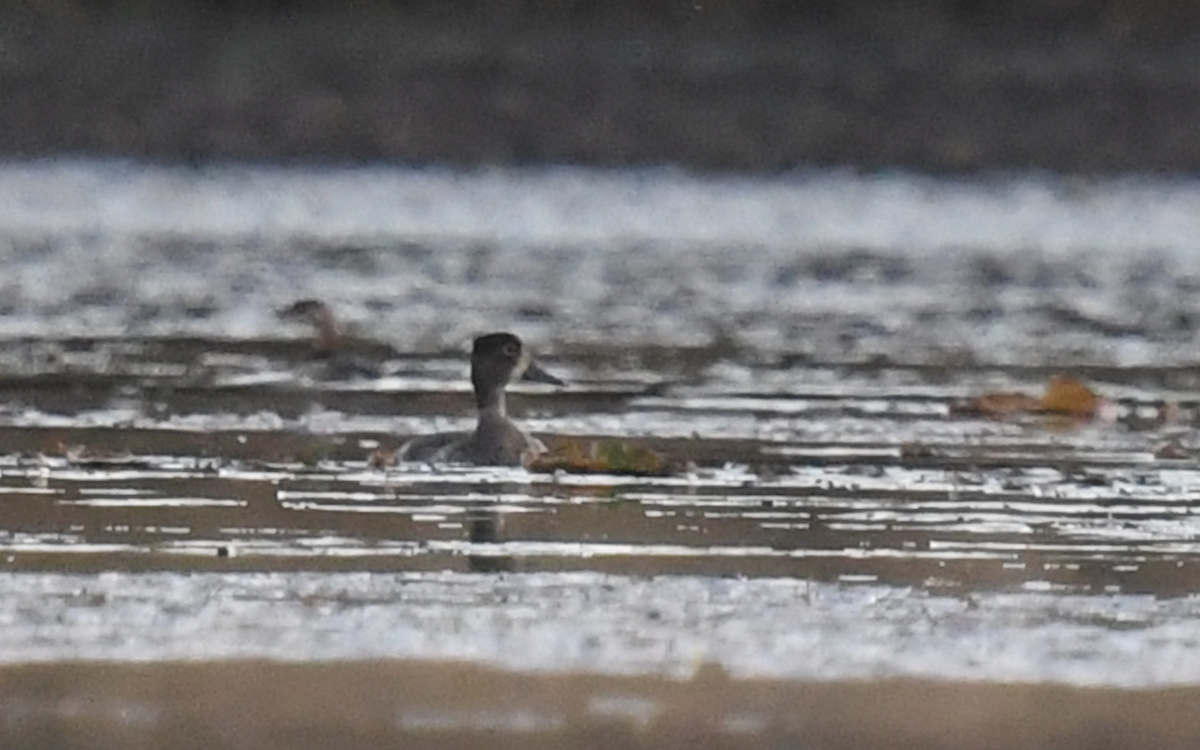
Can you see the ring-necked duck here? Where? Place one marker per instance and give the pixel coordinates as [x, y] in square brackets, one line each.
[496, 360]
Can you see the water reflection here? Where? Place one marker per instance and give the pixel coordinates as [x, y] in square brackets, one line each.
[1121, 530]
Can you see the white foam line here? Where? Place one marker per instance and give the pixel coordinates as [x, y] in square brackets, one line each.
[555, 205]
[158, 502]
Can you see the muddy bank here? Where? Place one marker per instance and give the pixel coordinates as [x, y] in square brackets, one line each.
[1079, 86]
[390, 704]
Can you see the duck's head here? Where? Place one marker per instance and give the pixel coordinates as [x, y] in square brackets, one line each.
[316, 313]
[500, 358]
[312, 311]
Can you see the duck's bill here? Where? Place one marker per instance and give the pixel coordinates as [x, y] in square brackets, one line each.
[538, 375]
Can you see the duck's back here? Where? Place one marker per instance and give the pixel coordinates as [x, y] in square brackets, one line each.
[495, 442]
[431, 447]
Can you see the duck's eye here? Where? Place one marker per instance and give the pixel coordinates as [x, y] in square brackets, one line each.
[511, 350]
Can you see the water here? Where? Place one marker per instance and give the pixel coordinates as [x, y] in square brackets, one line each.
[180, 481]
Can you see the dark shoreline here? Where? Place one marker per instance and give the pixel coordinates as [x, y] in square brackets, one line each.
[1079, 86]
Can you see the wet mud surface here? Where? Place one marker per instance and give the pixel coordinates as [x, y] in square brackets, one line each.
[184, 486]
[440, 705]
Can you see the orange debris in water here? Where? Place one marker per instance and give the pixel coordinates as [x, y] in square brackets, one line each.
[1063, 397]
[1070, 397]
[1002, 404]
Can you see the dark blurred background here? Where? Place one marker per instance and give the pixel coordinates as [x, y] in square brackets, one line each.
[938, 85]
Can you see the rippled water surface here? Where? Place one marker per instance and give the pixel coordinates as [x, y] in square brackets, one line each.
[180, 479]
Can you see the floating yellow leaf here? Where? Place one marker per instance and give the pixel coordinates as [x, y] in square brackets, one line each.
[1069, 397]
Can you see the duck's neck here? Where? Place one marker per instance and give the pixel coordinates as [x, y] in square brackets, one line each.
[328, 338]
[490, 401]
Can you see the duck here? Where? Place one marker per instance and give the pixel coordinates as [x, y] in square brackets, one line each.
[328, 343]
[497, 359]
[327, 334]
